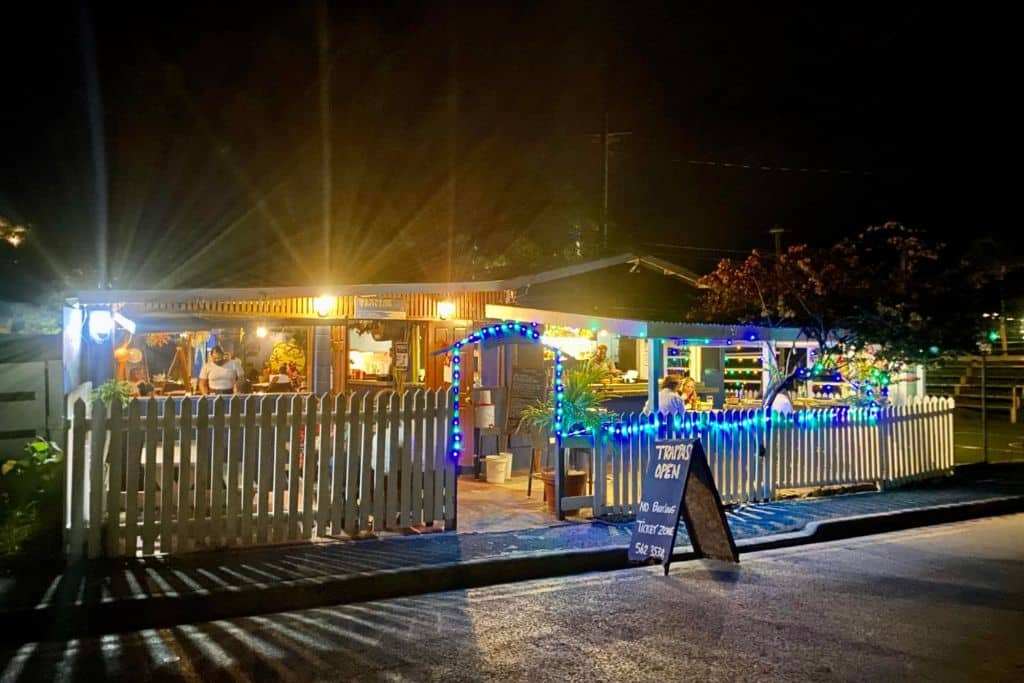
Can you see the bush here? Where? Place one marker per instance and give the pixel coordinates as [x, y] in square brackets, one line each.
[30, 488]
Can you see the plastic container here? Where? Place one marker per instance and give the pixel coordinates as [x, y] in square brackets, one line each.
[483, 409]
[494, 467]
[508, 464]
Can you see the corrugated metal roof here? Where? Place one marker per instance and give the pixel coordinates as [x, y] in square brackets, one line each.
[122, 296]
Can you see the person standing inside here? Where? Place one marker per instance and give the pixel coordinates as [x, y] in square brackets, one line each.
[602, 361]
[219, 375]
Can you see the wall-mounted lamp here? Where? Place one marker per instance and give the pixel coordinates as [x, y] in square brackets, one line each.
[101, 324]
[445, 310]
[323, 305]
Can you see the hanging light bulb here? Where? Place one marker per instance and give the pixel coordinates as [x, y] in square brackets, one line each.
[101, 324]
[323, 305]
[445, 310]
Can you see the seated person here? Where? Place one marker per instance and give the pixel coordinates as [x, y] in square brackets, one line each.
[669, 400]
[137, 378]
[689, 393]
[280, 381]
[782, 403]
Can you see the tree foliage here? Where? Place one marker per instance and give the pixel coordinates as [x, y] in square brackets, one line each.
[889, 288]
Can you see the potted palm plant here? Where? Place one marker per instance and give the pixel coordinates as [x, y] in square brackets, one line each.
[582, 415]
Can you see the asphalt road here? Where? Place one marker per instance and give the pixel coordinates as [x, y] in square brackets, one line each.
[940, 603]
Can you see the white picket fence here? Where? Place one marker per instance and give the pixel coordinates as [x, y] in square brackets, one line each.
[753, 456]
[173, 476]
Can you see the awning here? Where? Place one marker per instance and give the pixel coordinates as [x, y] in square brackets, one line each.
[705, 334]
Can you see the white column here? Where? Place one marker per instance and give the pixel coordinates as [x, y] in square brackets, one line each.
[655, 370]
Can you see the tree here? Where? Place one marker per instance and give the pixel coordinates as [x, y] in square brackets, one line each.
[874, 303]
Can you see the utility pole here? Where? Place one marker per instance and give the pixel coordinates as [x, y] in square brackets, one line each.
[776, 233]
[607, 138]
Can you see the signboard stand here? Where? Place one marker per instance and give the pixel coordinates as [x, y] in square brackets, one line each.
[678, 483]
[528, 387]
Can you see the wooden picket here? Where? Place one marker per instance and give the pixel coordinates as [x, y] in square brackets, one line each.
[161, 476]
[753, 455]
[166, 477]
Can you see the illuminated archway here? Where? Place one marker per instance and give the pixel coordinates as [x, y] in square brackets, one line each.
[507, 331]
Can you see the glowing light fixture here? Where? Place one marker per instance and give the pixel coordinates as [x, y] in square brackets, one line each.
[261, 332]
[445, 310]
[323, 305]
[101, 324]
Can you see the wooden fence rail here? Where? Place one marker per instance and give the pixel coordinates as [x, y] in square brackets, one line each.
[249, 470]
[753, 456]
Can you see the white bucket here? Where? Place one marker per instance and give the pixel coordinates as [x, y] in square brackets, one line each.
[508, 464]
[494, 466]
[483, 410]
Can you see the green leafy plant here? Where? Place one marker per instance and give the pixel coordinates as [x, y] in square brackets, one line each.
[33, 474]
[30, 497]
[113, 390]
[581, 405]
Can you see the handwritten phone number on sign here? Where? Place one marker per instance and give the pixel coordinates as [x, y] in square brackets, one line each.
[657, 551]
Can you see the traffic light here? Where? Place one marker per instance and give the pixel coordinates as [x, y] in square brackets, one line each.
[993, 336]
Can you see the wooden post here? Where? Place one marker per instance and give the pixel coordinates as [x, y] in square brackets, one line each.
[559, 477]
[115, 457]
[150, 484]
[169, 430]
[655, 369]
[339, 359]
[76, 467]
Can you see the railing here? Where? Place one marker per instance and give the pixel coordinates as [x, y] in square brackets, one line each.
[252, 470]
[754, 456]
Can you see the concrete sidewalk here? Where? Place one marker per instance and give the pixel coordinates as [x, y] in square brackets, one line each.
[106, 596]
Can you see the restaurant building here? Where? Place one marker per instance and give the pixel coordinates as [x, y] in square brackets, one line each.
[393, 336]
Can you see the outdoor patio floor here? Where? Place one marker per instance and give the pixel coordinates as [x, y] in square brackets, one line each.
[487, 507]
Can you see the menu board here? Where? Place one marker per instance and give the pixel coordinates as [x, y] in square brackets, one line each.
[528, 387]
[678, 482]
[661, 502]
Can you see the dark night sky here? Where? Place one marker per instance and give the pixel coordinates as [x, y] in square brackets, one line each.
[474, 119]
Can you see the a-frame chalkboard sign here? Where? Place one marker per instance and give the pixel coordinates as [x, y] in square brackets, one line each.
[678, 482]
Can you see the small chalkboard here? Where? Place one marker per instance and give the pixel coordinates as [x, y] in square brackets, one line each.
[678, 482]
[401, 355]
[528, 387]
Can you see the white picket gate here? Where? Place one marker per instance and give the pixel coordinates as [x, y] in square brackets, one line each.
[173, 476]
[753, 456]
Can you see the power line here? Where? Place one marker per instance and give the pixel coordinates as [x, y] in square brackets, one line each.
[783, 169]
[691, 248]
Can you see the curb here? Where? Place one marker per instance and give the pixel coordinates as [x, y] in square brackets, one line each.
[62, 622]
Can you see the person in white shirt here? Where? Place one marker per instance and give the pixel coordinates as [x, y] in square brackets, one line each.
[219, 375]
[669, 400]
[782, 403]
